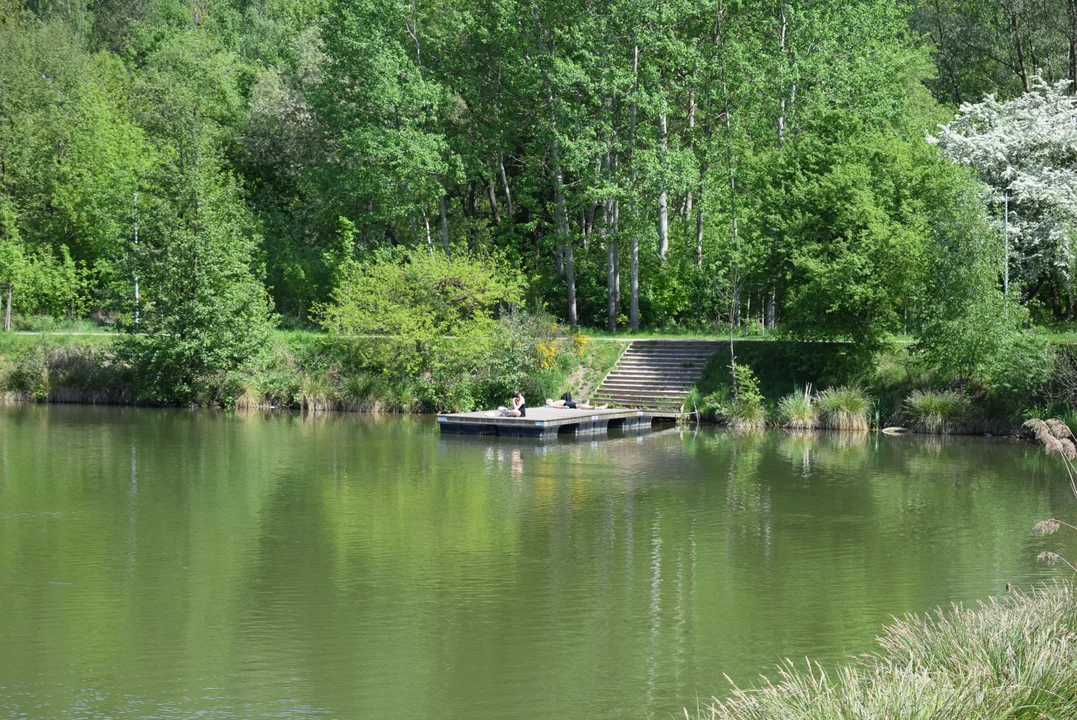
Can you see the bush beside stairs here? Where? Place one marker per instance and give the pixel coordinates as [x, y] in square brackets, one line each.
[656, 374]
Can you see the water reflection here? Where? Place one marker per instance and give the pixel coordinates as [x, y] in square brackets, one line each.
[222, 565]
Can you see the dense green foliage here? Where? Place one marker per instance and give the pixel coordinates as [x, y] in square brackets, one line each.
[676, 166]
[315, 372]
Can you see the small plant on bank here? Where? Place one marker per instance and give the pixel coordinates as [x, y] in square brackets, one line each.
[798, 410]
[746, 410]
[844, 408]
[934, 411]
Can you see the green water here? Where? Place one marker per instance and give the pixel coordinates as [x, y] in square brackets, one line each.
[175, 564]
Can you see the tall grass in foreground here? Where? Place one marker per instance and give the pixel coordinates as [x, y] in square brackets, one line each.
[844, 408]
[932, 411]
[1014, 658]
[798, 411]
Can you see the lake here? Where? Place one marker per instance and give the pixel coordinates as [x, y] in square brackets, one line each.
[180, 564]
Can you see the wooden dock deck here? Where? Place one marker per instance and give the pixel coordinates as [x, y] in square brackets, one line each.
[545, 422]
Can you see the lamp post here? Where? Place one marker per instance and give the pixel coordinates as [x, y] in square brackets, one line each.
[1006, 235]
[7, 312]
[136, 260]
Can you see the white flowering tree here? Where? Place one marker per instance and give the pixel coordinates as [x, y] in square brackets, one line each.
[1026, 149]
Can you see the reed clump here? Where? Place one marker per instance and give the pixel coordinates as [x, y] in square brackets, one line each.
[844, 408]
[316, 393]
[365, 392]
[938, 411]
[798, 410]
[1008, 658]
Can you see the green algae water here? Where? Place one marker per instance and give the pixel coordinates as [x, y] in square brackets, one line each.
[176, 564]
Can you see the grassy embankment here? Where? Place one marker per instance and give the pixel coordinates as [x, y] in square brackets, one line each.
[307, 369]
[831, 385]
[1014, 658]
[303, 369]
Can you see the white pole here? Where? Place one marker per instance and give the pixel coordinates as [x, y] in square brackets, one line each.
[136, 260]
[1006, 234]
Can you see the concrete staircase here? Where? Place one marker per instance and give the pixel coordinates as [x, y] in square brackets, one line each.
[656, 374]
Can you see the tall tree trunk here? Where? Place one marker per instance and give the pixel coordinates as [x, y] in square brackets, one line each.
[570, 279]
[609, 230]
[951, 67]
[731, 171]
[560, 208]
[429, 239]
[1015, 24]
[444, 224]
[783, 47]
[494, 210]
[691, 148]
[663, 197]
[617, 254]
[564, 233]
[1071, 8]
[611, 286]
[633, 283]
[783, 27]
[505, 184]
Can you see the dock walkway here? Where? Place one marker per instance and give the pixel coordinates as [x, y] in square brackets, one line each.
[545, 423]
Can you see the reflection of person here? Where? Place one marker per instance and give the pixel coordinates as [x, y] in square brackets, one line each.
[518, 409]
[567, 403]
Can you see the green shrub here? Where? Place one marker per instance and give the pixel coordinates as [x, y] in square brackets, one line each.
[29, 375]
[797, 410]
[280, 389]
[746, 409]
[844, 408]
[1015, 658]
[934, 411]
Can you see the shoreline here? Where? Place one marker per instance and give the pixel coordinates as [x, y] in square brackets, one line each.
[89, 398]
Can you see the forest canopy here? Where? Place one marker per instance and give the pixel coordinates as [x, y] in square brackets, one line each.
[672, 165]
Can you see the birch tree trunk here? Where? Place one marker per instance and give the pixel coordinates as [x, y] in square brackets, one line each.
[1022, 70]
[663, 198]
[560, 208]
[734, 290]
[563, 230]
[429, 240]
[1071, 9]
[633, 283]
[444, 225]
[609, 231]
[494, 210]
[783, 27]
[505, 184]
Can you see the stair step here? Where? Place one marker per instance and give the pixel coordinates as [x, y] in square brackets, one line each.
[619, 396]
[653, 378]
[628, 384]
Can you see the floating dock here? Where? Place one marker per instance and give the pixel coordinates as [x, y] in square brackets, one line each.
[546, 423]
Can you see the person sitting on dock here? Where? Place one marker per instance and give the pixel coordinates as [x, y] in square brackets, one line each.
[518, 409]
[567, 403]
